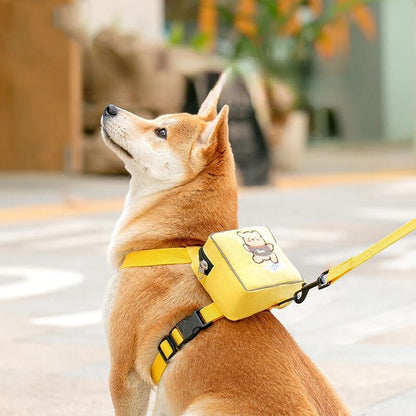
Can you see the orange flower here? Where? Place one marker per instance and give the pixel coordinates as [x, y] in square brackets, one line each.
[292, 27]
[208, 20]
[316, 7]
[246, 27]
[247, 7]
[334, 38]
[286, 6]
[364, 19]
[244, 19]
[342, 34]
[325, 44]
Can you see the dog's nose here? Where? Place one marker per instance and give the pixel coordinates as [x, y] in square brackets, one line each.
[111, 110]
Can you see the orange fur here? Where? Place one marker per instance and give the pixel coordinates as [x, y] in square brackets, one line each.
[248, 367]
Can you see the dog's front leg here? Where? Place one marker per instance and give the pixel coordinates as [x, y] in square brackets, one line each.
[129, 392]
[157, 409]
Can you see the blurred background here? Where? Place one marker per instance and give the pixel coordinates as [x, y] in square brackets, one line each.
[334, 75]
[323, 129]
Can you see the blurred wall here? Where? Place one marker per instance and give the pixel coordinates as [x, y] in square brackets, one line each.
[373, 88]
[40, 89]
[398, 60]
[144, 18]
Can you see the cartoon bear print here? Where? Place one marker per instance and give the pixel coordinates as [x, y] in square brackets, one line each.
[255, 244]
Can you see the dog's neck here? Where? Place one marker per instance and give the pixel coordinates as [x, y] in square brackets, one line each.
[181, 216]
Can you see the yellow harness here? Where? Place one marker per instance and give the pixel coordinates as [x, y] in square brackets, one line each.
[189, 327]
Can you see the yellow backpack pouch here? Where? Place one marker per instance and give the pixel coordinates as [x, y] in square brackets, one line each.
[245, 271]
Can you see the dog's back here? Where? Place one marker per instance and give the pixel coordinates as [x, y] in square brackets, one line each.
[250, 367]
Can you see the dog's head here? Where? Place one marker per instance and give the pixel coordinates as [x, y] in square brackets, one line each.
[171, 149]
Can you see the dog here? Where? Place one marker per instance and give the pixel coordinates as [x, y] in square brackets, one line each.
[182, 189]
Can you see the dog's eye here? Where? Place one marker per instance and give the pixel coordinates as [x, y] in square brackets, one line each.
[162, 133]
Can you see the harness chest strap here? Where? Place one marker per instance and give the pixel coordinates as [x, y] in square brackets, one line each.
[188, 328]
[182, 333]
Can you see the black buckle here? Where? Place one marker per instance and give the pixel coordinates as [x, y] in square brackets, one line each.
[321, 282]
[191, 326]
[172, 344]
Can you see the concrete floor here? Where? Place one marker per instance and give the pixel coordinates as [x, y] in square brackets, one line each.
[54, 230]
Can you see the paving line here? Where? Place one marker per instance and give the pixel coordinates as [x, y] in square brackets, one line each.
[401, 404]
[53, 230]
[99, 238]
[36, 281]
[74, 320]
[368, 327]
[349, 178]
[386, 214]
[52, 211]
[302, 234]
[34, 213]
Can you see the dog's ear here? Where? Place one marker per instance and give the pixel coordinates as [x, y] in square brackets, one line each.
[215, 129]
[208, 110]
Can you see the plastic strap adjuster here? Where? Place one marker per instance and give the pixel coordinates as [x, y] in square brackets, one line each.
[189, 328]
[173, 346]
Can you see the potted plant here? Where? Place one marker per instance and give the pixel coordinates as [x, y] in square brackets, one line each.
[281, 39]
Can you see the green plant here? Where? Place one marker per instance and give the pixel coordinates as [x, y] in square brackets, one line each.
[278, 33]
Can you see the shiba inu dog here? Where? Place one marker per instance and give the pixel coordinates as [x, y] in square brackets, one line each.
[182, 189]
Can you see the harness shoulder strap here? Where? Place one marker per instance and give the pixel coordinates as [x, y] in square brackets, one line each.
[156, 257]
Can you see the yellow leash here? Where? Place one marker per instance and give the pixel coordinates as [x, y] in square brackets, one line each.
[338, 271]
[189, 327]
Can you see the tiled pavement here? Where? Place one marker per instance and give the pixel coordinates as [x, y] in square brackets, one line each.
[361, 332]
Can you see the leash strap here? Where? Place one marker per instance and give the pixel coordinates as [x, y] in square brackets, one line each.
[338, 271]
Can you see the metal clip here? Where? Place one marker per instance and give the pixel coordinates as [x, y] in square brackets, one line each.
[321, 282]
